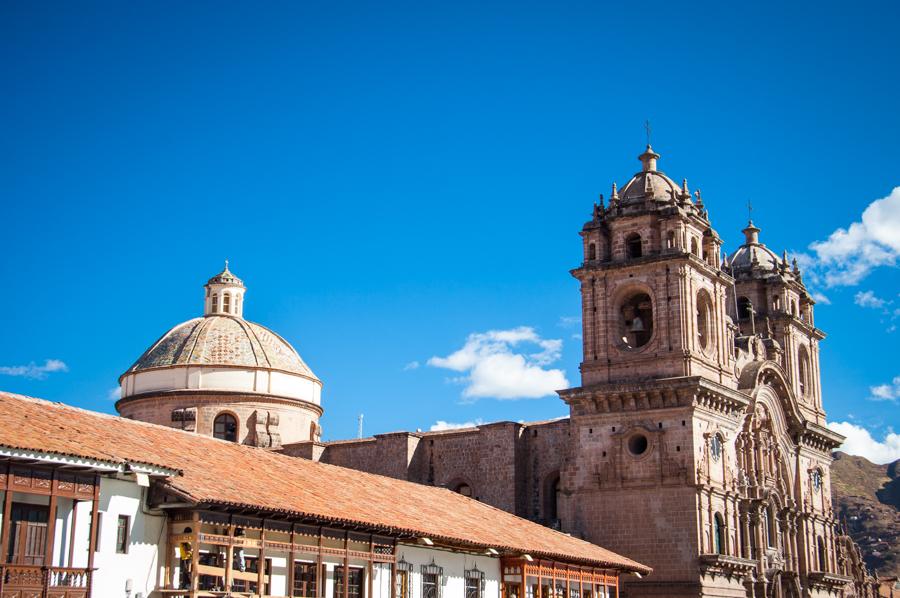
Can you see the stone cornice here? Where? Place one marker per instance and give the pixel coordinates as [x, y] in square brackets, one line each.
[655, 394]
[222, 397]
[667, 257]
[731, 567]
[819, 437]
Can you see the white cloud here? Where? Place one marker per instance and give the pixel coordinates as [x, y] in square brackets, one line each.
[860, 442]
[495, 369]
[568, 321]
[869, 299]
[412, 365]
[849, 254]
[821, 299]
[34, 371]
[440, 425]
[886, 392]
[114, 394]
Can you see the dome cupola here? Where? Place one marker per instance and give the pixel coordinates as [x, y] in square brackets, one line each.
[224, 295]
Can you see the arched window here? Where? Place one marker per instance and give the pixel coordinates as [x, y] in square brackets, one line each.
[744, 308]
[225, 427]
[704, 321]
[226, 303]
[823, 559]
[776, 303]
[215, 303]
[694, 249]
[670, 240]
[803, 379]
[719, 534]
[551, 499]
[592, 251]
[463, 489]
[237, 305]
[633, 246]
[636, 320]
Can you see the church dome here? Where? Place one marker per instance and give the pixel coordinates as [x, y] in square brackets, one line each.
[222, 352]
[650, 183]
[222, 341]
[753, 254]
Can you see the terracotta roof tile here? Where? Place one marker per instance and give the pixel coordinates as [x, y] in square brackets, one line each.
[215, 471]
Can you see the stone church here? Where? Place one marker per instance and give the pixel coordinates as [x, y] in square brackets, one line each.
[696, 442]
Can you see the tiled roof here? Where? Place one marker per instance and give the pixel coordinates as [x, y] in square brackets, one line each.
[222, 340]
[219, 472]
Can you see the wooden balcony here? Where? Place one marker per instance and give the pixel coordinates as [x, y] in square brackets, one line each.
[35, 581]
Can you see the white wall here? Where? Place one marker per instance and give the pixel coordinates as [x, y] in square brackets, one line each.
[248, 380]
[455, 565]
[146, 538]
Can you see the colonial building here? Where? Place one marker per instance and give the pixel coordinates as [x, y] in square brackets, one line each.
[696, 442]
[106, 507]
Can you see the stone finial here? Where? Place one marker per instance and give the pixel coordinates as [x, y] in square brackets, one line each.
[615, 193]
[648, 159]
[684, 188]
[699, 197]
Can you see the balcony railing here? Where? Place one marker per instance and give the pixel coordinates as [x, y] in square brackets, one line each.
[30, 580]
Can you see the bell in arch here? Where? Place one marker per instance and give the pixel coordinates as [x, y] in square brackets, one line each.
[637, 325]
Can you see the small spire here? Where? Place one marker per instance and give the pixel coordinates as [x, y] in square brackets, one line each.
[684, 188]
[615, 193]
[226, 265]
[699, 198]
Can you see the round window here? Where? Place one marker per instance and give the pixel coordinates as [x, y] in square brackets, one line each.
[636, 320]
[637, 444]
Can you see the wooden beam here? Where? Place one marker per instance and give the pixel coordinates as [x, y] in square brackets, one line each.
[92, 533]
[371, 566]
[261, 562]
[291, 556]
[346, 566]
[195, 553]
[394, 574]
[229, 559]
[51, 524]
[320, 571]
[7, 513]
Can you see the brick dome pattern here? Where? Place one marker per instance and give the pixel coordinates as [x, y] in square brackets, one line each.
[222, 341]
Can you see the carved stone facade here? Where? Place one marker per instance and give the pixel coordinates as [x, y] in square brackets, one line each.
[696, 442]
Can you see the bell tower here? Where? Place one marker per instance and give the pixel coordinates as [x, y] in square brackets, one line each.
[653, 290]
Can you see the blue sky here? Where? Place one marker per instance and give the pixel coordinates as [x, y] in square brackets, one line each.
[390, 178]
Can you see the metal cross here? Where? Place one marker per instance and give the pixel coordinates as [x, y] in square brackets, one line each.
[749, 210]
[648, 129]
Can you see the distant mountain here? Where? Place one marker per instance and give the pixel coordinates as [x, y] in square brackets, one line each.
[866, 499]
